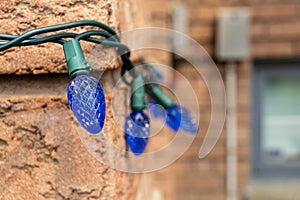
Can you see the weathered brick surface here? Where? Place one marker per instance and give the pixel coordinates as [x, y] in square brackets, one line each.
[42, 157]
[17, 17]
[41, 154]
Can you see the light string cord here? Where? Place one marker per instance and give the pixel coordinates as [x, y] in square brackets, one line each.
[111, 39]
[54, 28]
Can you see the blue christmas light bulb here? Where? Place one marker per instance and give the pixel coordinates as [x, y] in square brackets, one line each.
[85, 94]
[137, 124]
[178, 117]
[137, 131]
[87, 101]
[173, 119]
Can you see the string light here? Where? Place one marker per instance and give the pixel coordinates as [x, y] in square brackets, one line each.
[85, 94]
[87, 101]
[137, 131]
[176, 116]
[137, 124]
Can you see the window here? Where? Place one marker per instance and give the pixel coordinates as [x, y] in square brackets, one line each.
[276, 119]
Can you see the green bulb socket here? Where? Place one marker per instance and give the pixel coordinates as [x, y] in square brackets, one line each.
[138, 102]
[158, 94]
[77, 65]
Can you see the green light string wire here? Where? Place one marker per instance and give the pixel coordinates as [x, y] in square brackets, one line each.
[54, 28]
[57, 38]
[112, 39]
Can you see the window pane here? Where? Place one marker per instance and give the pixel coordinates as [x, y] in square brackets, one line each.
[281, 120]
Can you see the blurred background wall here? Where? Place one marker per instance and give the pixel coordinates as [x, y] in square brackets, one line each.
[274, 45]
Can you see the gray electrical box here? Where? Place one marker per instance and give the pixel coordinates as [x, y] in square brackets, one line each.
[232, 36]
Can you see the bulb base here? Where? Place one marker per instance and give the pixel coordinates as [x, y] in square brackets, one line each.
[77, 65]
[138, 102]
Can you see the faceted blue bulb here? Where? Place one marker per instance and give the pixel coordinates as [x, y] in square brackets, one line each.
[173, 117]
[87, 101]
[179, 117]
[155, 109]
[137, 131]
[188, 123]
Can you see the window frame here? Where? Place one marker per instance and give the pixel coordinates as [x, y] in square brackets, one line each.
[261, 70]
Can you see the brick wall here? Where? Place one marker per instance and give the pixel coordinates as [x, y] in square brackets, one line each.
[41, 154]
[274, 34]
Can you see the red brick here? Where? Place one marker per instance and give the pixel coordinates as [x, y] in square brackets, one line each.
[202, 33]
[285, 31]
[272, 49]
[296, 46]
[258, 31]
[43, 151]
[273, 12]
[202, 15]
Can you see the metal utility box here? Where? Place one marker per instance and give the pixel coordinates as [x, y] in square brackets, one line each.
[232, 34]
